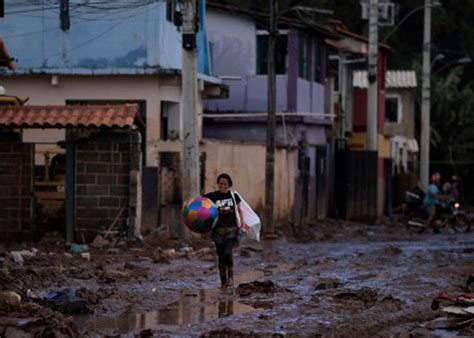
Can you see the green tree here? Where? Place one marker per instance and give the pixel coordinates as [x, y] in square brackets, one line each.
[452, 117]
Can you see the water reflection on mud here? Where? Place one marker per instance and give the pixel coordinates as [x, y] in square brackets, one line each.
[191, 308]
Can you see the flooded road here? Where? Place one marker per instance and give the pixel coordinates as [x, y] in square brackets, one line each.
[364, 282]
[190, 309]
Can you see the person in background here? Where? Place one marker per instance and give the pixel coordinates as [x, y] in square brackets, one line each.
[226, 231]
[451, 189]
[432, 198]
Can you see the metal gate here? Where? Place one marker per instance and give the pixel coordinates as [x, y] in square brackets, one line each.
[356, 185]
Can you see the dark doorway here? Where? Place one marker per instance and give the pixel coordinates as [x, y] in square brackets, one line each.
[49, 188]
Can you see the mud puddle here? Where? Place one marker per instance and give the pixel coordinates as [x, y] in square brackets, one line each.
[191, 308]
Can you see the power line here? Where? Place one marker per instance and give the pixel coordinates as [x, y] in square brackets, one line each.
[84, 20]
[94, 6]
[88, 41]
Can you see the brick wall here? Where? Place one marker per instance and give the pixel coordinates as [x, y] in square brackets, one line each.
[102, 186]
[16, 181]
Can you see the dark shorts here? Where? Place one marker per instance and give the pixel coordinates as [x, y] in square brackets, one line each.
[221, 235]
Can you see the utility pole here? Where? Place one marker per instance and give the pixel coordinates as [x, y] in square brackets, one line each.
[425, 100]
[271, 122]
[372, 94]
[189, 102]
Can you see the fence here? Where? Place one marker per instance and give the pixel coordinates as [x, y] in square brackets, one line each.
[355, 185]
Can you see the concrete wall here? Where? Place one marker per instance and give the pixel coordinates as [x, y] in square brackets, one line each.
[16, 186]
[245, 163]
[238, 130]
[102, 186]
[132, 37]
[310, 97]
[152, 89]
[233, 43]
[256, 93]
[250, 94]
[234, 53]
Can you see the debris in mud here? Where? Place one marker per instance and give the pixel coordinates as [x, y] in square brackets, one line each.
[328, 284]
[78, 248]
[186, 249]
[262, 304]
[244, 253]
[457, 311]
[113, 276]
[251, 248]
[10, 298]
[204, 254]
[301, 262]
[20, 256]
[65, 301]
[365, 296]
[100, 242]
[443, 300]
[94, 297]
[159, 256]
[392, 304]
[52, 238]
[136, 270]
[226, 332]
[34, 320]
[266, 286]
[392, 251]
[469, 285]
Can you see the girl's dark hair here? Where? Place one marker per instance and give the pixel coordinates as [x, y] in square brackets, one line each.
[227, 177]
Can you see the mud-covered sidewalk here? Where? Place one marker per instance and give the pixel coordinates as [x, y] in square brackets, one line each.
[343, 279]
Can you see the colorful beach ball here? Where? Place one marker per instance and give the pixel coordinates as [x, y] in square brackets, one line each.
[200, 215]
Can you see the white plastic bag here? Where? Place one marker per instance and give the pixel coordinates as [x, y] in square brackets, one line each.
[251, 222]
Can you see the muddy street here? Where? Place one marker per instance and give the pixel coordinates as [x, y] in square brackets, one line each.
[347, 280]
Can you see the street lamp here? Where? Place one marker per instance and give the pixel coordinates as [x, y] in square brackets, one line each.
[436, 59]
[460, 61]
[434, 3]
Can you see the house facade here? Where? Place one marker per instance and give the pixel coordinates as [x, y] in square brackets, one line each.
[109, 54]
[399, 124]
[361, 177]
[401, 152]
[238, 48]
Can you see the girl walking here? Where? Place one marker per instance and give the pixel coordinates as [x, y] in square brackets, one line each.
[226, 231]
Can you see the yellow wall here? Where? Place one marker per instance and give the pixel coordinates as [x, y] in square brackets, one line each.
[245, 163]
[358, 141]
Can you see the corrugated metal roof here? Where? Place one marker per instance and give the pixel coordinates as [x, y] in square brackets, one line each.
[68, 116]
[394, 79]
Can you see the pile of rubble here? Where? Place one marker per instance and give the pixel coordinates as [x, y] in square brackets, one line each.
[455, 311]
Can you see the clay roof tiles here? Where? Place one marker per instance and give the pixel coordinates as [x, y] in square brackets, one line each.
[69, 116]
